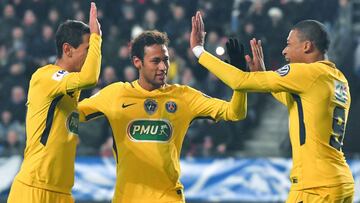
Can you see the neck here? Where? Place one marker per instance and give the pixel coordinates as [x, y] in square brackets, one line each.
[148, 86]
[61, 63]
[315, 57]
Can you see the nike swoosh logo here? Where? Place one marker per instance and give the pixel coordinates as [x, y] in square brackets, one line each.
[127, 105]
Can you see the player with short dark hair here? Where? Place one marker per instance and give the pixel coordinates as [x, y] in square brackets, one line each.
[149, 119]
[47, 171]
[317, 96]
[71, 32]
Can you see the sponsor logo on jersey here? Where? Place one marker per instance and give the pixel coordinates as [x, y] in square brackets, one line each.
[150, 106]
[283, 70]
[125, 105]
[59, 75]
[145, 130]
[72, 123]
[341, 94]
[171, 106]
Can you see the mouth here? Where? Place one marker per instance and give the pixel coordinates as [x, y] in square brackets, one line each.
[161, 76]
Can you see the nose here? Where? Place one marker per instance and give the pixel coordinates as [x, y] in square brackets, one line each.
[284, 52]
[162, 65]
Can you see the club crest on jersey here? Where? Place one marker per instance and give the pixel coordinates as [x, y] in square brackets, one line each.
[340, 92]
[148, 130]
[59, 75]
[150, 106]
[171, 106]
[283, 70]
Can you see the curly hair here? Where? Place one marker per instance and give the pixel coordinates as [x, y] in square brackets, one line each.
[147, 38]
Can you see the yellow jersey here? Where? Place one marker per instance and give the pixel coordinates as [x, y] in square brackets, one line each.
[52, 122]
[318, 100]
[148, 130]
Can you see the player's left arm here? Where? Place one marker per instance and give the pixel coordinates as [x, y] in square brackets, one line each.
[294, 78]
[202, 105]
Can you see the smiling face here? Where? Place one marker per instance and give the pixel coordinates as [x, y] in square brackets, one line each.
[154, 67]
[295, 48]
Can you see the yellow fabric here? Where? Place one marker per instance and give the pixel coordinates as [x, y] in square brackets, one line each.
[52, 101]
[149, 170]
[22, 193]
[312, 93]
[343, 193]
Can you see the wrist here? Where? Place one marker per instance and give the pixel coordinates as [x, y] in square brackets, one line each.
[198, 50]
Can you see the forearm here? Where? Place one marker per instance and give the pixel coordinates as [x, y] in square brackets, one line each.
[230, 75]
[237, 79]
[90, 71]
[237, 107]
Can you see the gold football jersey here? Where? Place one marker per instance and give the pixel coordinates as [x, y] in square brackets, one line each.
[148, 130]
[318, 100]
[52, 122]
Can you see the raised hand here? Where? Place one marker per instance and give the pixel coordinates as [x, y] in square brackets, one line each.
[236, 54]
[93, 21]
[197, 36]
[257, 62]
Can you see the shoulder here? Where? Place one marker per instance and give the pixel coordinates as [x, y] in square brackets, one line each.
[47, 75]
[114, 87]
[50, 72]
[300, 69]
[181, 88]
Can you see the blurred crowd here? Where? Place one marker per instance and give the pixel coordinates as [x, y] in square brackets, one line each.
[27, 43]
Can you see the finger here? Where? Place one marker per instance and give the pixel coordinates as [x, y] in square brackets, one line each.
[193, 24]
[261, 49]
[236, 44]
[248, 59]
[93, 10]
[228, 48]
[256, 48]
[242, 49]
[197, 22]
[196, 25]
[252, 45]
[201, 22]
[231, 44]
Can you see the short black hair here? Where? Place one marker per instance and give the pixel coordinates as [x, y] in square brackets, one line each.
[315, 32]
[147, 38]
[70, 31]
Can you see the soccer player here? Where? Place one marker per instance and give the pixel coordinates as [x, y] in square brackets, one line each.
[47, 171]
[149, 119]
[317, 96]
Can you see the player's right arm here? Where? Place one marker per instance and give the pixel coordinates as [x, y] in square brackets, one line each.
[90, 71]
[293, 78]
[55, 81]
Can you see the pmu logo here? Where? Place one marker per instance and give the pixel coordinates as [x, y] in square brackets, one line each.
[149, 130]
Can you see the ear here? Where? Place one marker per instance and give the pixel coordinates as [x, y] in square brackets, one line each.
[67, 49]
[308, 47]
[137, 62]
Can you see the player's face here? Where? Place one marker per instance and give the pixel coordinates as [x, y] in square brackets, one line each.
[294, 50]
[154, 68]
[79, 54]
